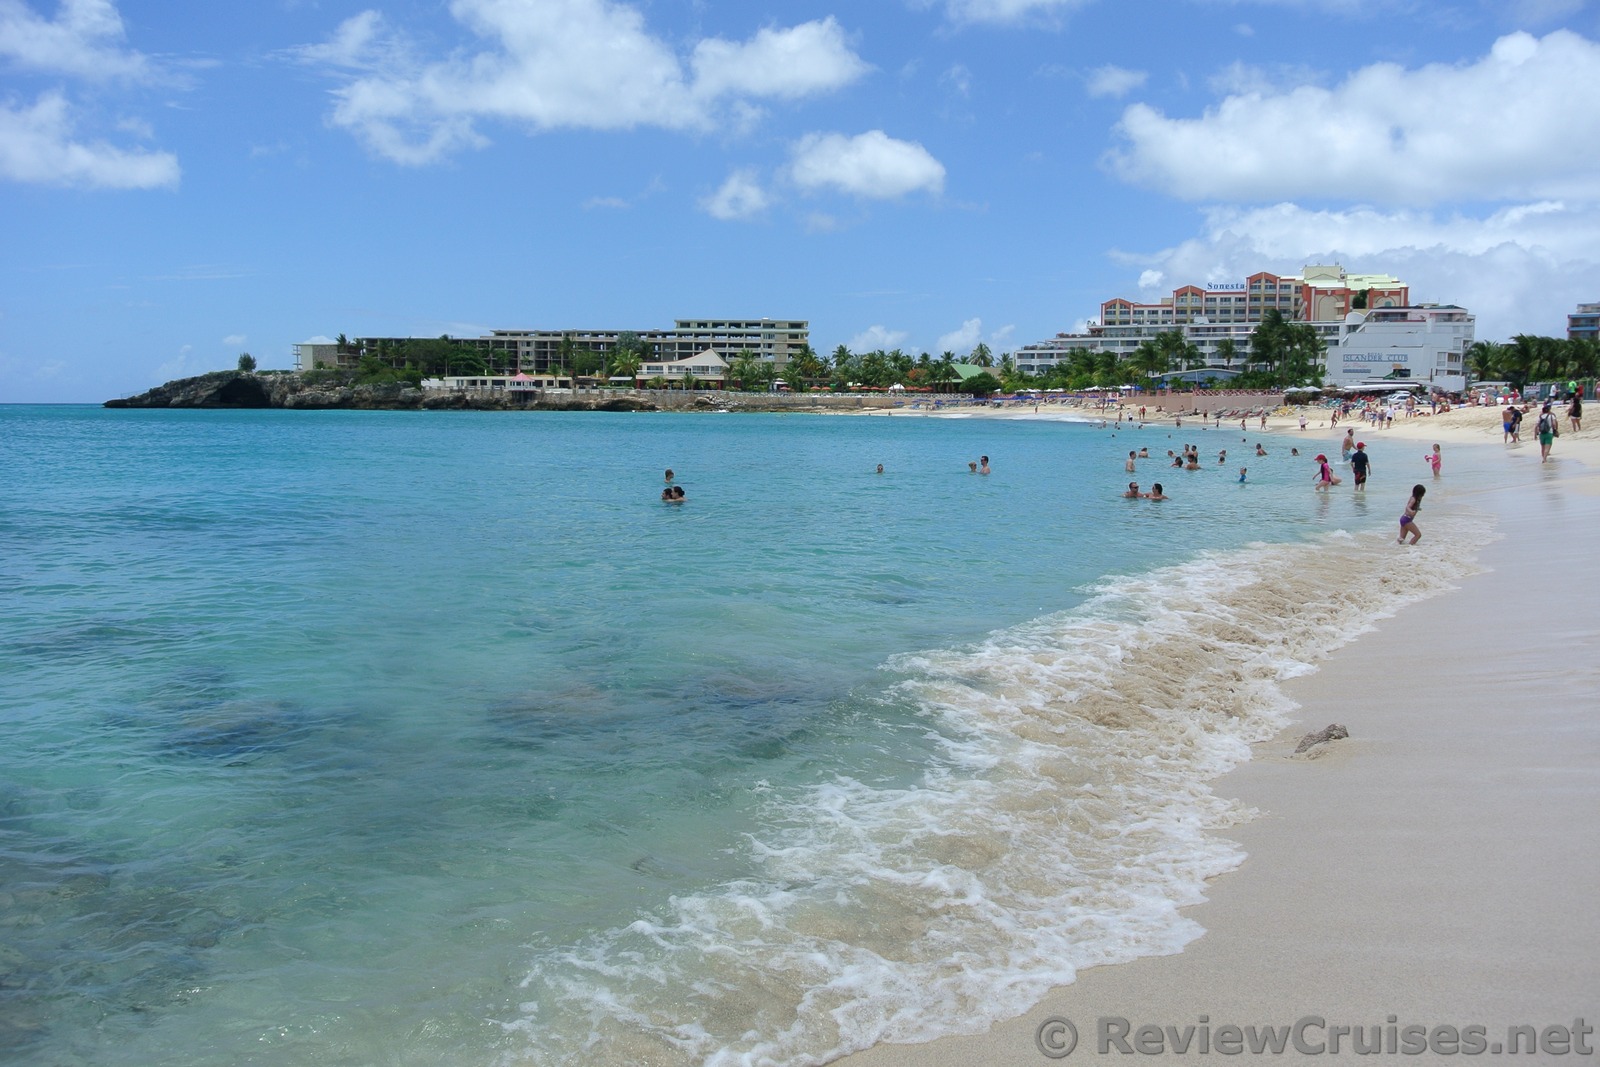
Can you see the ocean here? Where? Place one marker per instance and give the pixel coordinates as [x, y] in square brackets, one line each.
[438, 739]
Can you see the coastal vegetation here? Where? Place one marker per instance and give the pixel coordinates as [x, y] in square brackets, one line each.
[1282, 354]
[1526, 358]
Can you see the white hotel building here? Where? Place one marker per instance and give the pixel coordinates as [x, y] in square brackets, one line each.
[537, 352]
[1366, 321]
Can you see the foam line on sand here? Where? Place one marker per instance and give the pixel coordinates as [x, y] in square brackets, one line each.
[1439, 867]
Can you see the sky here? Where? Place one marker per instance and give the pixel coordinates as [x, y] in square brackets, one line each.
[183, 182]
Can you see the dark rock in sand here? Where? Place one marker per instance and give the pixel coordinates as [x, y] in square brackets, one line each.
[1331, 732]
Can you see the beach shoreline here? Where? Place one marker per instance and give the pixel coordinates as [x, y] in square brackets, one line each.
[1428, 871]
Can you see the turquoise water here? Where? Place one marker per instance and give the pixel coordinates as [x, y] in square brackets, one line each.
[426, 738]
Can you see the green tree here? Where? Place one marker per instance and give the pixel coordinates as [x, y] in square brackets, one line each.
[981, 384]
[1150, 357]
[1269, 343]
[981, 356]
[745, 369]
[943, 371]
[1227, 352]
[626, 364]
[1486, 360]
[247, 362]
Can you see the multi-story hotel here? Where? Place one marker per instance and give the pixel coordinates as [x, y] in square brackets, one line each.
[1337, 304]
[775, 341]
[1584, 324]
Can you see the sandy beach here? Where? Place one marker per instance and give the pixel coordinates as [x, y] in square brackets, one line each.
[1436, 869]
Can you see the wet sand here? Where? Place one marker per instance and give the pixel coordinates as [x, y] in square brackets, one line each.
[1438, 867]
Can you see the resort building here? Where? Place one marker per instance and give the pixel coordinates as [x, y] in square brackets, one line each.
[774, 341]
[1370, 311]
[1584, 324]
[1405, 345]
[708, 370]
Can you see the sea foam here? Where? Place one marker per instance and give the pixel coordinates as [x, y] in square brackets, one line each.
[1068, 819]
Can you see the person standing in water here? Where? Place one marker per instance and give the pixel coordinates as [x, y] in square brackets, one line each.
[1408, 519]
[1435, 460]
[1360, 464]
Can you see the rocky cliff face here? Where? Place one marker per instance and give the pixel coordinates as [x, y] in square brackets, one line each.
[245, 389]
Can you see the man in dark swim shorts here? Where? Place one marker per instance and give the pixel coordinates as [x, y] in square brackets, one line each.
[1360, 463]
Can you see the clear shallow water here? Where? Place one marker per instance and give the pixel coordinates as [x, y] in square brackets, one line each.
[436, 738]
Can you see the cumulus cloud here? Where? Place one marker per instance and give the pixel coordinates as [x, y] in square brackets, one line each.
[871, 164]
[84, 40]
[38, 145]
[586, 64]
[740, 197]
[962, 340]
[1115, 81]
[1519, 123]
[875, 337]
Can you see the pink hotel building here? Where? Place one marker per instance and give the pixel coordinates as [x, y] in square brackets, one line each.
[1366, 322]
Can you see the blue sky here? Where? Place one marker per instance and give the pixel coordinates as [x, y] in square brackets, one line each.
[181, 182]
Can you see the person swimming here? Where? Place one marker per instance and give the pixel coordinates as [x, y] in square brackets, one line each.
[1157, 494]
[1133, 491]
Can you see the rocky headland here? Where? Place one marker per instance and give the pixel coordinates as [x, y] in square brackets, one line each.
[287, 389]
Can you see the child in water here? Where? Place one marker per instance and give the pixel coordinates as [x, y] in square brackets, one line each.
[1408, 521]
[1435, 460]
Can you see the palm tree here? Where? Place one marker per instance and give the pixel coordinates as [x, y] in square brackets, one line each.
[1486, 360]
[1227, 351]
[745, 370]
[981, 355]
[626, 364]
[1150, 358]
[943, 370]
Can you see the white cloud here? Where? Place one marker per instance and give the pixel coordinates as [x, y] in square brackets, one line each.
[37, 145]
[871, 164]
[1007, 12]
[1520, 123]
[875, 337]
[788, 64]
[84, 40]
[359, 43]
[961, 341]
[587, 64]
[959, 79]
[740, 197]
[1115, 81]
[1151, 279]
[1519, 269]
[234, 340]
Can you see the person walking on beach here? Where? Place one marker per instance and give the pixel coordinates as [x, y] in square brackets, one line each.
[1575, 412]
[1548, 430]
[1435, 460]
[1361, 464]
[1507, 424]
[1408, 520]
